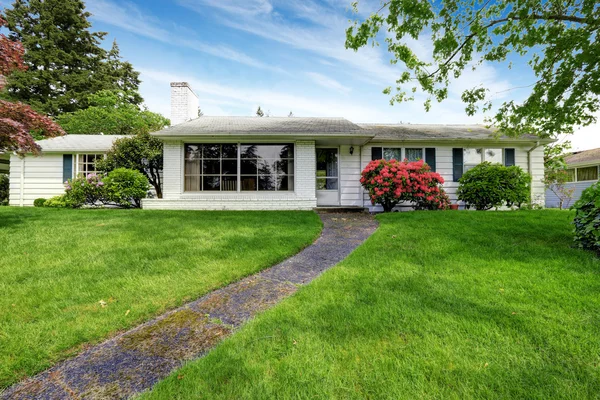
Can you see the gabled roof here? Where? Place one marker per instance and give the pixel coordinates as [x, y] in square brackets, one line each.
[264, 125]
[78, 143]
[584, 157]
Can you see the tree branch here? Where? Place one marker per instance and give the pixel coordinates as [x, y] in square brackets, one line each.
[569, 18]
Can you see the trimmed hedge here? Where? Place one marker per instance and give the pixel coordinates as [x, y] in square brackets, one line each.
[39, 202]
[492, 185]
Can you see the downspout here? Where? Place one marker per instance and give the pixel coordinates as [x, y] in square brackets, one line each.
[22, 187]
[361, 191]
[530, 167]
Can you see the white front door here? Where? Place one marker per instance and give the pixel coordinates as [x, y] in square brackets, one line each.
[328, 181]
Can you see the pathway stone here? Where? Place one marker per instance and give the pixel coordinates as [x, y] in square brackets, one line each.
[135, 360]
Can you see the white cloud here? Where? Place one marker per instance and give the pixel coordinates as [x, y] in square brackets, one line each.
[246, 7]
[327, 82]
[279, 102]
[326, 38]
[131, 18]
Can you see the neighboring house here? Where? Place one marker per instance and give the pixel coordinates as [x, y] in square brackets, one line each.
[299, 163]
[62, 158]
[245, 163]
[583, 169]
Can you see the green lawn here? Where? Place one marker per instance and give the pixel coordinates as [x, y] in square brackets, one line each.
[446, 305]
[57, 265]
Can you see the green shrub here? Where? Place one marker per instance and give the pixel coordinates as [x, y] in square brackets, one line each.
[587, 219]
[85, 190]
[4, 187]
[126, 187]
[57, 202]
[39, 202]
[492, 185]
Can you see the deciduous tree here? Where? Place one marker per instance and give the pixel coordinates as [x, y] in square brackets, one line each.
[17, 122]
[11, 53]
[142, 152]
[112, 113]
[559, 40]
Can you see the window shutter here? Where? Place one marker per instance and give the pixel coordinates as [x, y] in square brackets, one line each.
[67, 167]
[457, 164]
[430, 157]
[509, 157]
[376, 153]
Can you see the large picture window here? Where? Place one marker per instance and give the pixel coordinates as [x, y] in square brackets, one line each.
[239, 167]
[211, 167]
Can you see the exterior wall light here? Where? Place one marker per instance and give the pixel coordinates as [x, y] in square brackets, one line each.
[351, 150]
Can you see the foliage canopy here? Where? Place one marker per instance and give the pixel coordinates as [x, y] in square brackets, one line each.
[558, 39]
[143, 153]
[111, 113]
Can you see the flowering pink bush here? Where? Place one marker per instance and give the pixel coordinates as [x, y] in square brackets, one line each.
[87, 189]
[391, 182]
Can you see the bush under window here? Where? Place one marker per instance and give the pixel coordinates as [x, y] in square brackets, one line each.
[122, 187]
[488, 185]
[391, 182]
[587, 219]
[4, 187]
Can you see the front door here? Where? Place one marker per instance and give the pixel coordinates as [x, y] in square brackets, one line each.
[328, 182]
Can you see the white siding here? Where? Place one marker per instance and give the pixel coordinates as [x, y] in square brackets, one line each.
[42, 178]
[172, 170]
[444, 167]
[350, 169]
[303, 197]
[538, 190]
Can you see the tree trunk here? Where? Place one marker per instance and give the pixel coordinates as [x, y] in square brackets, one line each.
[388, 206]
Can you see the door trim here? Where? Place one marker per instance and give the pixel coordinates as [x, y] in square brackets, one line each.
[339, 165]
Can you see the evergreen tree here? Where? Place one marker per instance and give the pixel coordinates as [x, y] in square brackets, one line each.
[121, 76]
[64, 58]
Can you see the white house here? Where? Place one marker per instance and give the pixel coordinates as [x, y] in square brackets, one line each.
[583, 170]
[245, 163]
[62, 158]
[302, 163]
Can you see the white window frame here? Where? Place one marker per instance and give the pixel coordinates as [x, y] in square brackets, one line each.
[482, 158]
[239, 169]
[403, 151]
[76, 170]
[576, 169]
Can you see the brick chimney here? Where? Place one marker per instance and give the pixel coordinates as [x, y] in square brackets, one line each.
[184, 103]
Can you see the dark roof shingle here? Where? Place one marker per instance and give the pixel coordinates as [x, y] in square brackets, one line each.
[330, 126]
[248, 125]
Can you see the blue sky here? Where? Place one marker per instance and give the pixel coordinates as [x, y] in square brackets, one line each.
[284, 55]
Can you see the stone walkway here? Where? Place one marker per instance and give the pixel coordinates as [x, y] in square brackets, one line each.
[135, 360]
